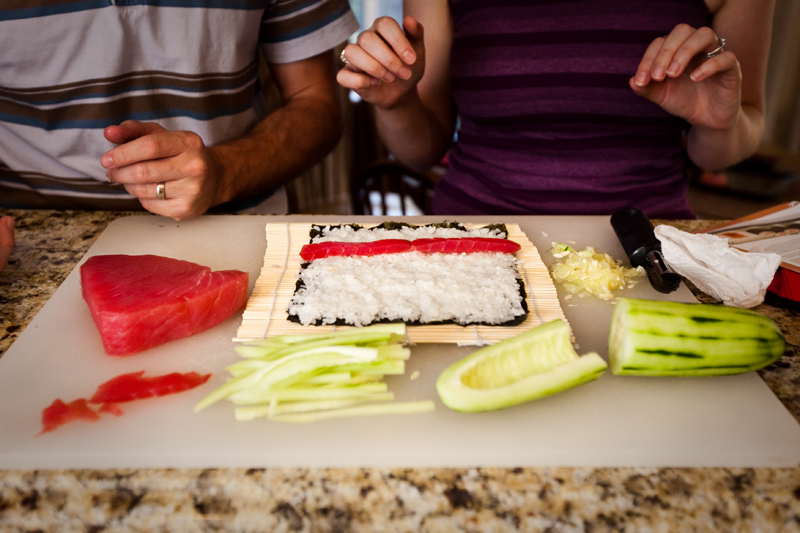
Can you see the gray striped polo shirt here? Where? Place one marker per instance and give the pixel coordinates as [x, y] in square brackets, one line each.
[70, 68]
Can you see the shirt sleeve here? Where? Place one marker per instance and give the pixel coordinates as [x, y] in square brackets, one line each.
[292, 30]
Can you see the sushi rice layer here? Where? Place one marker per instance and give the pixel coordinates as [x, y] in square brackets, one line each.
[476, 288]
[350, 234]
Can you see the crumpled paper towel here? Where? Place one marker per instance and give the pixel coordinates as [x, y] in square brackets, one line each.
[734, 277]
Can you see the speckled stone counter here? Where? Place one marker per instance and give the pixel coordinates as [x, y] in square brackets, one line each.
[49, 245]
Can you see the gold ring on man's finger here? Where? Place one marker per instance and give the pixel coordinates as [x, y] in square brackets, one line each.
[342, 58]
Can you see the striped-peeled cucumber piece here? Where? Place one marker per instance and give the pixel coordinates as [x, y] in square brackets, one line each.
[532, 365]
[654, 338]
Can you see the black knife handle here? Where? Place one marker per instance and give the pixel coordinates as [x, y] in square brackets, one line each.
[635, 232]
[638, 238]
[661, 276]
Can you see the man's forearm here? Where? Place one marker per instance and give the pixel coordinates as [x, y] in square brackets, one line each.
[277, 149]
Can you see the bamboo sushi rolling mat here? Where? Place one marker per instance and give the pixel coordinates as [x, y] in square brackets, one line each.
[265, 314]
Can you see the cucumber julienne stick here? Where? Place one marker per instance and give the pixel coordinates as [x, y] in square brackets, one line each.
[654, 338]
[296, 378]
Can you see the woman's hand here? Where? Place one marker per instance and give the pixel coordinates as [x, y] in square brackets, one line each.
[6, 239]
[676, 74]
[386, 63]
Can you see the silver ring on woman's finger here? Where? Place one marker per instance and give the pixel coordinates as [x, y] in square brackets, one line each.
[718, 50]
[161, 191]
[342, 58]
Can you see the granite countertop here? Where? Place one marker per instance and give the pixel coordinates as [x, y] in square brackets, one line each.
[50, 244]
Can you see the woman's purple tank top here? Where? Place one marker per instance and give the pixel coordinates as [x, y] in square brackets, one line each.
[549, 124]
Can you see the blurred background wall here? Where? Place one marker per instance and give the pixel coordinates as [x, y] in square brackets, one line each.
[783, 79]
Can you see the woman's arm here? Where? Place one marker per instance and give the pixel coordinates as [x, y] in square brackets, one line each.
[721, 97]
[749, 23]
[404, 73]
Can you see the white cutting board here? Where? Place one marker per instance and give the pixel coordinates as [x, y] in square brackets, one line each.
[615, 421]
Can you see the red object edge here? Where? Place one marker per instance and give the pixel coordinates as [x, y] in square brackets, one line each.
[786, 284]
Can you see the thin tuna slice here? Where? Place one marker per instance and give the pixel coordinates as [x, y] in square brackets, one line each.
[142, 301]
[464, 245]
[320, 250]
[135, 386]
[467, 245]
[59, 413]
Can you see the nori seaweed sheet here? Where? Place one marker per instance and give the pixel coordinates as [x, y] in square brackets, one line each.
[317, 231]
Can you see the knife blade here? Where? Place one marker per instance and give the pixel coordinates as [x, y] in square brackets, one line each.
[635, 232]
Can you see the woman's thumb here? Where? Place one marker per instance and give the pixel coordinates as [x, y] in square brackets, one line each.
[415, 34]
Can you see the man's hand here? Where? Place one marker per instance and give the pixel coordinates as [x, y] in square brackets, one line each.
[196, 177]
[148, 154]
[6, 239]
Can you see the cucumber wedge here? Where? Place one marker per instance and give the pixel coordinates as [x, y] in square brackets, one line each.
[653, 338]
[534, 364]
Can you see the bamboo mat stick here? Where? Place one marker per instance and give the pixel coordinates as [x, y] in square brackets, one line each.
[265, 314]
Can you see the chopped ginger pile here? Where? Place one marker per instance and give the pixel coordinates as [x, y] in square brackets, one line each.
[591, 272]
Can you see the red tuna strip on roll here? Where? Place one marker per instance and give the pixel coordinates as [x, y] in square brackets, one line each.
[467, 245]
[320, 250]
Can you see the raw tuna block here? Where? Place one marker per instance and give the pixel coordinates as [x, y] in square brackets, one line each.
[142, 301]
